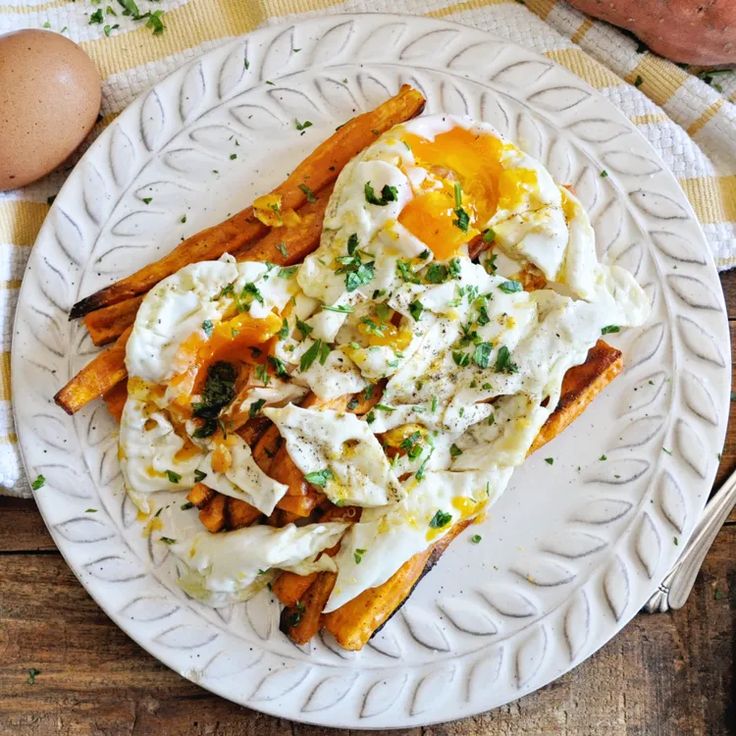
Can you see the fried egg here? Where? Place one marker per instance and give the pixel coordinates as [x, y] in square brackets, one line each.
[454, 285]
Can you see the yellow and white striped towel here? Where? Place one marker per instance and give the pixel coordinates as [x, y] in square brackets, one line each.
[691, 124]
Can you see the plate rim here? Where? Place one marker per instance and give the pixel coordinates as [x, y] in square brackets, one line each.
[105, 137]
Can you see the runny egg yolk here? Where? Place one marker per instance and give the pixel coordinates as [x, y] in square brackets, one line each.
[468, 167]
[229, 341]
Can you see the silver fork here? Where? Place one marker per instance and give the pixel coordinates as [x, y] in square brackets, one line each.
[675, 588]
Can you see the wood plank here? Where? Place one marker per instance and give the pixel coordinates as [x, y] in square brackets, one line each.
[728, 282]
[21, 526]
[664, 674]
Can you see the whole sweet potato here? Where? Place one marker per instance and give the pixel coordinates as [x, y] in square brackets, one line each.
[701, 32]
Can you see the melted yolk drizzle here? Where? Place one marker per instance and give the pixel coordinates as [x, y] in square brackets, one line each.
[459, 156]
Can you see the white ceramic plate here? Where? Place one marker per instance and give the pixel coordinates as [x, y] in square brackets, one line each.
[570, 552]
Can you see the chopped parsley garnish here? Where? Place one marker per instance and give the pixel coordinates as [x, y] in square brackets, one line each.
[32, 674]
[407, 275]
[319, 477]
[283, 332]
[440, 520]
[482, 354]
[287, 272]
[255, 408]
[604, 174]
[207, 327]
[90, 511]
[385, 407]
[638, 81]
[603, 458]
[308, 193]
[461, 359]
[415, 310]
[247, 296]
[504, 364]
[510, 287]
[219, 391]
[96, 17]
[463, 219]
[317, 350]
[227, 290]
[436, 273]
[490, 263]
[199, 476]
[167, 540]
[483, 318]
[357, 272]
[283, 249]
[233, 156]
[358, 555]
[372, 327]
[549, 460]
[186, 506]
[38, 483]
[172, 476]
[340, 308]
[302, 126]
[608, 329]
[278, 365]
[147, 200]
[413, 445]
[262, 374]
[155, 23]
[455, 451]
[489, 235]
[183, 219]
[388, 194]
[475, 539]
[303, 327]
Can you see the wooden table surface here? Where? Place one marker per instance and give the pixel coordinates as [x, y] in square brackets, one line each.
[665, 675]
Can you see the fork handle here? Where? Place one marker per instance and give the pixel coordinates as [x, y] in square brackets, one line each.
[676, 586]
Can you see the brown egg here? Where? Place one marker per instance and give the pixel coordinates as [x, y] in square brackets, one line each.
[49, 101]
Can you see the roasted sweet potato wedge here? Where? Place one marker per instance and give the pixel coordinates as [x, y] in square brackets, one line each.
[581, 385]
[356, 622]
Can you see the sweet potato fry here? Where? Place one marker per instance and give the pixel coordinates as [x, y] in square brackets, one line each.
[107, 324]
[239, 514]
[301, 506]
[315, 172]
[301, 621]
[355, 622]
[582, 383]
[105, 371]
[115, 399]
[266, 447]
[212, 514]
[200, 495]
[290, 587]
